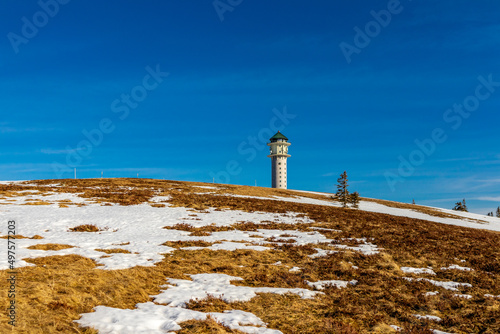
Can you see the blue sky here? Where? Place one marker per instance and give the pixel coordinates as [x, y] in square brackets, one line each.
[237, 71]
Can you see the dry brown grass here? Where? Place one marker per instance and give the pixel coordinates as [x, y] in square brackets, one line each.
[17, 236]
[208, 326]
[53, 247]
[122, 244]
[66, 203]
[241, 226]
[55, 295]
[190, 243]
[85, 228]
[113, 250]
[118, 190]
[69, 285]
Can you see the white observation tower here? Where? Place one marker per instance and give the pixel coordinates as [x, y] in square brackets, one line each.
[278, 154]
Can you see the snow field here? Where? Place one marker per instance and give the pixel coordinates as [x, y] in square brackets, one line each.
[157, 319]
[139, 230]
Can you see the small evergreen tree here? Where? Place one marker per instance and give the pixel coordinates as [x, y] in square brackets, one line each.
[461, 206]
[354, 199]
[498, 212]
[490, 214]
[413, 202]
[342, 194]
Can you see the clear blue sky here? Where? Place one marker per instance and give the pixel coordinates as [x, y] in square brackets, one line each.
[356, 101]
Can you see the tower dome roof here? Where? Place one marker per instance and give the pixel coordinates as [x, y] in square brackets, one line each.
[278, 135]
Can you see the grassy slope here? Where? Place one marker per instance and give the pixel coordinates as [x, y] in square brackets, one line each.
[54, 295]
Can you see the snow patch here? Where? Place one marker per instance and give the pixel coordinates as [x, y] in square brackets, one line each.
[448, 285]
[321, 253]
[321, 285]
[366, 248]
[462, 296]
[431, 293]
[180, 292]
[427, 317]
[324, 229]
[137, 229]
[435, 331]
[410, 270]
[151, 318]
[456, 267]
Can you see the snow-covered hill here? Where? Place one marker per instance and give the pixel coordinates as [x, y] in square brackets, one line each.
[170, 220]
[465, 219]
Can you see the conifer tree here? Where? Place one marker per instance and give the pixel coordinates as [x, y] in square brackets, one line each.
[413, 202]
[490, 214]
[342, 194]
[354, 199]
[464, 206]
[498, 212]
[461, 206]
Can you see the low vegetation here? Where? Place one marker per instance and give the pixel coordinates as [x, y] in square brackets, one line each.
[113, 250]
[59, 289]
[85, 228]
[47, 247]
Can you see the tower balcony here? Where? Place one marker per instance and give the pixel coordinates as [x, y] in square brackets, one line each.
[279, 155]
[276, 143]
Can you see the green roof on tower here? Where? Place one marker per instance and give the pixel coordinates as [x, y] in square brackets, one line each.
[278, 135]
